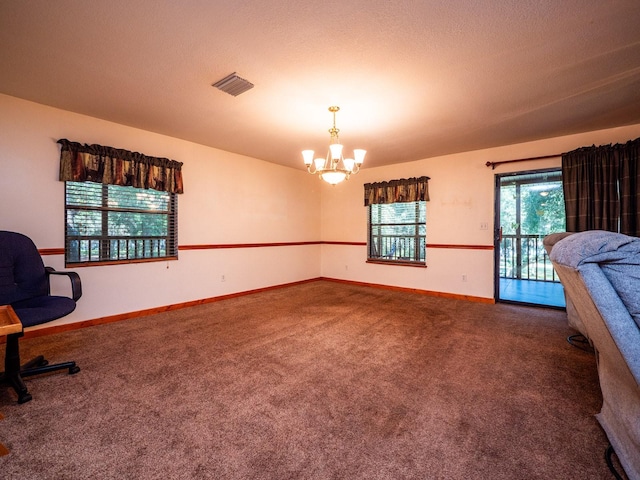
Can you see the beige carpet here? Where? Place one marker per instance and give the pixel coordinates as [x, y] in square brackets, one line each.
[315, 381]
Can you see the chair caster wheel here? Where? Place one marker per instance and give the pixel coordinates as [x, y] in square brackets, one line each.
[24, 397]
[74, 369]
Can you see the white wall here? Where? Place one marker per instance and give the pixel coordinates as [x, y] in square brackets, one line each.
[228, 199]
[232, 199]
[462, 197]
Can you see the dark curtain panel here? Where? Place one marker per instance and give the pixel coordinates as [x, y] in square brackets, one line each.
[601, 188]
[629, 184]
[403, 190]
[113, 166]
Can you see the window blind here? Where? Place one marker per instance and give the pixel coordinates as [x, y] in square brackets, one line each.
[397, 232]
[110, 223]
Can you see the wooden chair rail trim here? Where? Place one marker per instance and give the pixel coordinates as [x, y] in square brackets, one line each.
[216, 246]
[51, 251]
[244, 245]
[460, 247]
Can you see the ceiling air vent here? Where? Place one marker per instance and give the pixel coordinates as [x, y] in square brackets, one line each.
[233, 85]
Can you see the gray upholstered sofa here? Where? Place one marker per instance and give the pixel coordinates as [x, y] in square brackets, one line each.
[600, 272]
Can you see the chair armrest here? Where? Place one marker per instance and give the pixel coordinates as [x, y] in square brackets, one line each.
[76, 284]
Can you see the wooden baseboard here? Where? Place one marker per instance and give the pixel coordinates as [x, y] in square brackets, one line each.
[455, 296]
[167, 308]
[151, 311]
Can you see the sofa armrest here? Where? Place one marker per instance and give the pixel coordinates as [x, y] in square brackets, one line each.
[550, 240]
[614, 316]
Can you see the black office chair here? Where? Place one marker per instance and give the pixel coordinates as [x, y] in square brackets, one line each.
[24, 284]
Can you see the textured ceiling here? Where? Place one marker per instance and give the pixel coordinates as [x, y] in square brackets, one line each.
[414, 79]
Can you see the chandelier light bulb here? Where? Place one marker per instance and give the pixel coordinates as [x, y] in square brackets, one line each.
[359, 154]
[336, 151]
[349, 163]
[307, 155]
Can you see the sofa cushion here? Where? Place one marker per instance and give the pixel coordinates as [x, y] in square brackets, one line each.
[617, 255]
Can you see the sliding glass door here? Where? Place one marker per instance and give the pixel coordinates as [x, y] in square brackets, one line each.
[529, 206]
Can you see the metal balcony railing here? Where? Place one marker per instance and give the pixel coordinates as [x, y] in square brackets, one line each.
[93, 248]
[407, 248]
[523, 257]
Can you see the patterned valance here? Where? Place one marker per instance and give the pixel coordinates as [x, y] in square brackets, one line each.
[403, 190]
[113, 166]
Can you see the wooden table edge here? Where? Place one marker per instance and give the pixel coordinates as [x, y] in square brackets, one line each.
[9, 321]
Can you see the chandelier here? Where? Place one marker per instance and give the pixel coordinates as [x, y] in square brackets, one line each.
[334, 168]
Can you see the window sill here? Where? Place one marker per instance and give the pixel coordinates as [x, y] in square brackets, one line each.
[398, 263]
[118, 262]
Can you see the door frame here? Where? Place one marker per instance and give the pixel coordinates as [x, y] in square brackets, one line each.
[497, 228]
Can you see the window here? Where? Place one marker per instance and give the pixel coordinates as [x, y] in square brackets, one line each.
[397, 232]
[397, 224]
[115, 224]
